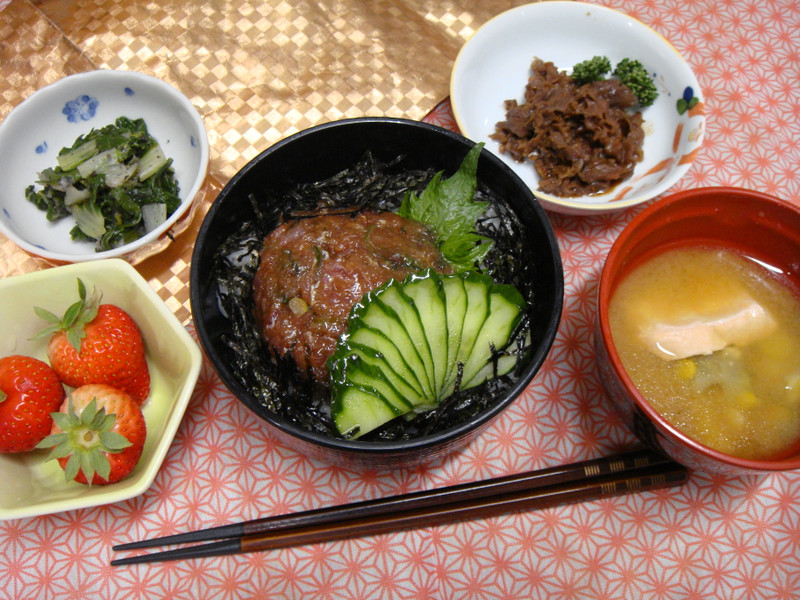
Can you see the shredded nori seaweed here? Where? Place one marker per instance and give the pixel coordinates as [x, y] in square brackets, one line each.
[370, 184]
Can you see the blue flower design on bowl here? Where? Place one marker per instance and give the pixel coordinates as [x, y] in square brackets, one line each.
[688, 101]
[82, 108]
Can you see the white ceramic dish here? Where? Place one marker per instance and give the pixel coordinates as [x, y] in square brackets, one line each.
[494, 66]
[54, 116]
[33, 486]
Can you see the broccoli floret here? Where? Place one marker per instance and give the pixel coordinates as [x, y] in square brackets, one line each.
[635, 76]
[590, 70]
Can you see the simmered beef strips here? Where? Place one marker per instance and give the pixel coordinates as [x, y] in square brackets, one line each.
[582, 139]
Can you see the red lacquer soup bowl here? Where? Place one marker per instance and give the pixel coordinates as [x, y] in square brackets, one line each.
[754, 224]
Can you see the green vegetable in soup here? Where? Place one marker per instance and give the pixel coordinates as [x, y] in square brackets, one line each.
[116, 182]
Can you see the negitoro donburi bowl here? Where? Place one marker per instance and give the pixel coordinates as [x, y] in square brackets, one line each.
[228, 239]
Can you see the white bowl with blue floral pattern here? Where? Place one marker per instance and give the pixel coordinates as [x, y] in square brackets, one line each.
[54, 116]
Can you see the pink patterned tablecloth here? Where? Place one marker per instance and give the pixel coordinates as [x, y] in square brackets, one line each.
[715, 537]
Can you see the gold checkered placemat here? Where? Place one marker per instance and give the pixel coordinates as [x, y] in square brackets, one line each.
[256, 71]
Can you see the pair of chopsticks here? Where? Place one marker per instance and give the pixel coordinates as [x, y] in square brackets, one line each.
[635, 471]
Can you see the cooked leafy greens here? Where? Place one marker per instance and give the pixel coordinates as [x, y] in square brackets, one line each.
[448, 207]
[115, 181]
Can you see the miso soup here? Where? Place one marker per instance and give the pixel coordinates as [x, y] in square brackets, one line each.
[712, 340]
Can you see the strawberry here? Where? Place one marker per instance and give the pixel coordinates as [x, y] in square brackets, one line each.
[97, 343]
[29, 391]
[98, 435]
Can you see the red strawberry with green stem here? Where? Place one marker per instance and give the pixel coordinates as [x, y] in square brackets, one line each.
[97, 343]
[29, 391]
[98, 435]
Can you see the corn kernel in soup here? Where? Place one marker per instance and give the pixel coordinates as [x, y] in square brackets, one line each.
[712, 340]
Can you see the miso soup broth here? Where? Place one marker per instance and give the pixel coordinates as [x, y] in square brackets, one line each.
[712, 340]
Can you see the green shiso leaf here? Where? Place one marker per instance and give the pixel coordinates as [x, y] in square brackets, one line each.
[449, 208]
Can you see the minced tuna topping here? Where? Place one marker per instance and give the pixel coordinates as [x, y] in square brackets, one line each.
[313, 270]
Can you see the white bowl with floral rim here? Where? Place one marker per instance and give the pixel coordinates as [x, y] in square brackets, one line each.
[53, 117]
[494, 66]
